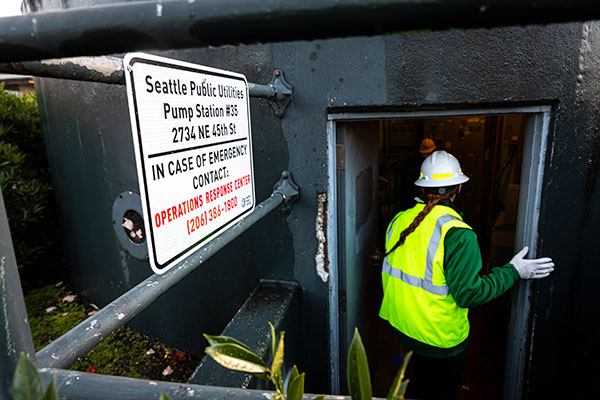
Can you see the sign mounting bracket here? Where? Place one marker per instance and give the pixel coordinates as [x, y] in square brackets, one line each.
[283, 93]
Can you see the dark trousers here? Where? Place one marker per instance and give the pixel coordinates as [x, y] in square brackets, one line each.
[436, 378]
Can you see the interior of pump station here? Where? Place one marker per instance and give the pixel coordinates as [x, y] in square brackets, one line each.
[489, 148]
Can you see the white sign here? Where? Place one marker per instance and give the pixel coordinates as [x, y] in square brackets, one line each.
[191, 133]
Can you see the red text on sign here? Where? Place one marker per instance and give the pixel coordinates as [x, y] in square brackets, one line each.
[177, 211]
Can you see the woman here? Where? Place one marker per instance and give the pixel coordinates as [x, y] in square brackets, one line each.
[431, 278]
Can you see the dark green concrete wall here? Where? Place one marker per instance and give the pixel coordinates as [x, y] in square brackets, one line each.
[477, 68]
[91, 156]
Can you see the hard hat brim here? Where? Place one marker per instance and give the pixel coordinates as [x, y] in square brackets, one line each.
[442, 182]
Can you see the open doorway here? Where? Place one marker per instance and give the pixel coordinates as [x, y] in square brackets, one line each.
[375, 181]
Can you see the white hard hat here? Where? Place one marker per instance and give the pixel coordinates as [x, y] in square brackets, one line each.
[440, 169]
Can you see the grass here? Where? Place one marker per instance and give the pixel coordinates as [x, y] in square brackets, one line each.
[124, 353]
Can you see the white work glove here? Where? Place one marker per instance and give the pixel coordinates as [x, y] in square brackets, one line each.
[532, 269]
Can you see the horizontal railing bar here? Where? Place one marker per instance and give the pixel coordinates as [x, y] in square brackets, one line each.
[96, 69]
[122, 27]
[85, 386]
[65, 350]
[93, 69]
[261, 91]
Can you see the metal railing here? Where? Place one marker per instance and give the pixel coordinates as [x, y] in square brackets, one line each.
[167, 25]
[107, 69]
[64, 351]
[157, 25]
[84, 386]
[15, 335]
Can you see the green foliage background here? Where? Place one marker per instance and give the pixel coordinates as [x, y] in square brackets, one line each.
[24, 177]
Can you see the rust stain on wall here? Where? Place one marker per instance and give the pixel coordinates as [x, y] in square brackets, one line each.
[321, 260]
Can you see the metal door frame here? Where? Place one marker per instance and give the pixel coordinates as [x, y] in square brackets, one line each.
[532, 175]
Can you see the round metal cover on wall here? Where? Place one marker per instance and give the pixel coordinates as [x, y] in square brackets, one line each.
[129, 224]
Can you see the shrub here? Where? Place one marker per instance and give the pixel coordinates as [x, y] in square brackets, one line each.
[24, 175]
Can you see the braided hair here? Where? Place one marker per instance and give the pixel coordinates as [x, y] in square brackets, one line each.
[432, 199]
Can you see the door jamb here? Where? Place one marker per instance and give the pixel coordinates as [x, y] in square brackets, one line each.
[534, 154]
[332, 254]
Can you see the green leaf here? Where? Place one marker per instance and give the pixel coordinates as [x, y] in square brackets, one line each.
[278, 382]
[27, 382]
[212, 340]
[51, 391]
[278, 356]
[296, 388]
[359, 380]
[236, 357]
[265, 376]
[272, 338]
[403, 389]
[291, 377]
[396, 389]
[163, 396]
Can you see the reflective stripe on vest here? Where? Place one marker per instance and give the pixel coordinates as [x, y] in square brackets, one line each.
[391, 230]
[426, 283]
[414, 280]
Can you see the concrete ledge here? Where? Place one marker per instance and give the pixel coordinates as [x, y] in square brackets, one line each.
[271, 301]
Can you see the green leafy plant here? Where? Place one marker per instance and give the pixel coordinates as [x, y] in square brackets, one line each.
[24, 177]
[233, 354]
[28, 385]
[359, 379]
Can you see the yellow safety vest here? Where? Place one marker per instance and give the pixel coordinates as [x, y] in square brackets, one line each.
[416, 298]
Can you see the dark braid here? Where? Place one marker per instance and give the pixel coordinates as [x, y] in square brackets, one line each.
[432, 200]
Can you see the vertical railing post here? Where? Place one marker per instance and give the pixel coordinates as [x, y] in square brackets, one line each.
[15, 334]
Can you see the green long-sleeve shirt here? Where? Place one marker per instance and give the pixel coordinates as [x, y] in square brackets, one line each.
[462, 264]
